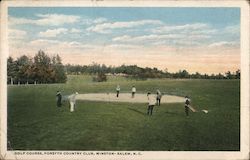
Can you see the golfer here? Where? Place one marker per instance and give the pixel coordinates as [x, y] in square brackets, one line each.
[151, 103]
[58, 99]
[158, 97]
[133, 91]
[118, 90]
[187, 103]
[72, 101]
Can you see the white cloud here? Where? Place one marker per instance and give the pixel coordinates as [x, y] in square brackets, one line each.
[204, 31]
[127, 38]
[56, 19]
[123, 46]
[181, 28]
[16, 34]
[46, 20]
[234, 29]
[53, 32]
[89, 21]
[74, 30]
[44, 42]
[224, 44]
[62, 46]
[157, 38]
[106, 27]
[74, 43]
[99, 20]
[16, 21]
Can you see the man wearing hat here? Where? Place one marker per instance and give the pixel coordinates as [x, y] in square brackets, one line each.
[58, 99]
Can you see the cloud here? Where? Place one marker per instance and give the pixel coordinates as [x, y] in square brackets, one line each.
[46, 20]
[74, 30]
[234, 29]
[61, 46]
[16, 34]
[127, 38]
[180, 43]
[123, 46]
[16, 21]
[53, 32]
[56, 19]
[106, 27]
[155, 39]
[90, 21]
[181, 28]
[43, 42]
[195, 34]
[224, 44]
[99, 20]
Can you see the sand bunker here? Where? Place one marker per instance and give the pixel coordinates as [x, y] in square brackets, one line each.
[126, 97]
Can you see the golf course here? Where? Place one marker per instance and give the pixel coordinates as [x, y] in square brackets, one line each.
[36, 123]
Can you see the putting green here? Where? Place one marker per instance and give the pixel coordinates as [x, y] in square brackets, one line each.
[126, 97]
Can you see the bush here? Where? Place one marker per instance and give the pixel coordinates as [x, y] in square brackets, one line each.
[100, 77]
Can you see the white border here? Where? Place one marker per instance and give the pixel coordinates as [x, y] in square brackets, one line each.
[243, 154]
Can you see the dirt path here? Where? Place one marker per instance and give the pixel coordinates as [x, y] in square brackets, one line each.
[126, 97]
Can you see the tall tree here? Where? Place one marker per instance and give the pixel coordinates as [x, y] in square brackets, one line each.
[59, 72]
[12, 70]
[23, 64]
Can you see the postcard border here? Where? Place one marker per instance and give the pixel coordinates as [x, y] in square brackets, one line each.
[244, 127]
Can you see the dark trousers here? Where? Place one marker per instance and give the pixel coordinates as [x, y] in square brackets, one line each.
[117, 93]
[158, 101]
[186, 110]
[133, 94]
[59, 103]
[150, 109]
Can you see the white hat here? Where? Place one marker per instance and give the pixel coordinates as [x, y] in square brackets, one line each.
[76, 92]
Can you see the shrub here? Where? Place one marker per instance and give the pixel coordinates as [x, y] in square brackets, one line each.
[100, 77]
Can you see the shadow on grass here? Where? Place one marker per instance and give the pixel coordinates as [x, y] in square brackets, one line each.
[132, 109]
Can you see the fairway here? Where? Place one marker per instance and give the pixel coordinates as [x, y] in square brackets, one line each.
[35, 123]
[126, 97]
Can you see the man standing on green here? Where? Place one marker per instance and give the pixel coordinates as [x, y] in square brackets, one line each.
[158, 97]
[118, 90]
[151, 103]
[187, 104]
[133, 91]
[72, 101]
[59, 99]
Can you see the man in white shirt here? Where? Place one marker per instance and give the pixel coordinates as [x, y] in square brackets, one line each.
[118, 90]
[72, 101]
[151, 103]
[133, 91]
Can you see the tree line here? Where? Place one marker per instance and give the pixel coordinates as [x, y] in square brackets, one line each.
[134, 71]
[39, 69]
[44, 69]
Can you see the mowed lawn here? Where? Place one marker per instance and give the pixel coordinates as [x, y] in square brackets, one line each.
[35, 123]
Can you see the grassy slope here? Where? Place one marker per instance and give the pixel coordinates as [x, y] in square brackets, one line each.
[34, 122]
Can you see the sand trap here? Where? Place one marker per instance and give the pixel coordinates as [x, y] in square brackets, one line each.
[126, 97]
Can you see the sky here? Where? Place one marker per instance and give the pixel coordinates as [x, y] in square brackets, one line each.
[205, 40]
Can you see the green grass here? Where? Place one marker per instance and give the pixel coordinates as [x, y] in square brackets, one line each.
[35, 123]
